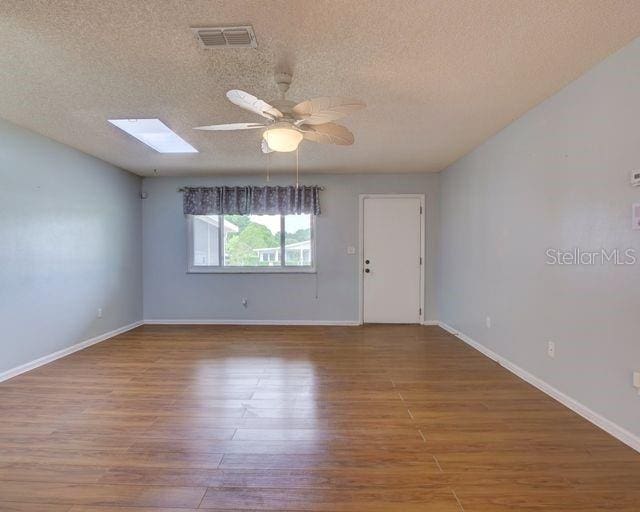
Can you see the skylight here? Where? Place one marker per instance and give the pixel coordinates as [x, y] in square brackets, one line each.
[154, 133]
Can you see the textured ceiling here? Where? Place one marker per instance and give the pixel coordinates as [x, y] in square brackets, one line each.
[439, 76]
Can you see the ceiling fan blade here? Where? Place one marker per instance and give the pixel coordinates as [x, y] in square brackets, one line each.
[231, 126]
[265, 147]
[250, 102]
[325, 109]
[328, 133]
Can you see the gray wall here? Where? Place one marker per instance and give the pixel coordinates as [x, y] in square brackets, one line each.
[70, 243]
[556, 178]
[171, 293]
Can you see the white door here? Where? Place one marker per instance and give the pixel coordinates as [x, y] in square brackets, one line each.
[392, 259]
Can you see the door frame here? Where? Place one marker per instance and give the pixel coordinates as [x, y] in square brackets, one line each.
[423, 216]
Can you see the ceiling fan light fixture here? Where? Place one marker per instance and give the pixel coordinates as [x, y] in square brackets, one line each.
[282, 137]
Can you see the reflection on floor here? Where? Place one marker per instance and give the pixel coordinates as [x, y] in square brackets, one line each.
[366, 419]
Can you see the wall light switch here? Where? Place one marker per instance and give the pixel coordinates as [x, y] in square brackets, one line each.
[488, 322]
[351, 249]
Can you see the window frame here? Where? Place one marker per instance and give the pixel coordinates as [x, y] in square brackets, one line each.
[266, 269]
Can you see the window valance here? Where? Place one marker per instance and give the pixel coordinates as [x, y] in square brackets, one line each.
[252, 200]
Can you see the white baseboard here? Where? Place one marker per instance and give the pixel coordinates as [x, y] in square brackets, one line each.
[14, 372]
[598, 420]
[215, 321]
[430, 322]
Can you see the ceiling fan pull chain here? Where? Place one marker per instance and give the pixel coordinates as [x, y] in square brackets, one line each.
[268, 166]
[297, 167]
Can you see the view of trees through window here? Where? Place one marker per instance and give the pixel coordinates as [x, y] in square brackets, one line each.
[257, 240]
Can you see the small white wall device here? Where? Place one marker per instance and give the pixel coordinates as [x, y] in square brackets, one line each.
[635, 215]
[635, 178]
[636, 381]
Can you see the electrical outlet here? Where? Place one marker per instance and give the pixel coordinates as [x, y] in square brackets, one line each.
[99, 312]
[488, 322]
[551, 349]
[636, 381]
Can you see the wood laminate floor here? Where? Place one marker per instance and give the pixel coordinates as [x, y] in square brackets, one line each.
[374, 418]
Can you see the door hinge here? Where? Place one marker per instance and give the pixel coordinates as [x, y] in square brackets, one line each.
[420, 210]
[420, 260]
[420, 311]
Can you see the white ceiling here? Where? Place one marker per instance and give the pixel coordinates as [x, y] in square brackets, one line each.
[439, 76]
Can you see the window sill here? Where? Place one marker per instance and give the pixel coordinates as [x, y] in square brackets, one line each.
[251, 270]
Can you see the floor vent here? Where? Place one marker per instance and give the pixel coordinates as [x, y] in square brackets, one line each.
[226, 37]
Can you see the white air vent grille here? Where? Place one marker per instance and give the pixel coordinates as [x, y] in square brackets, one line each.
[226, 37]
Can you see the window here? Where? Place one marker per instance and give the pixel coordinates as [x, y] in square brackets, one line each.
[251, 243]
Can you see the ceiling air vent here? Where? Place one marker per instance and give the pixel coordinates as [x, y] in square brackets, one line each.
[226, 37]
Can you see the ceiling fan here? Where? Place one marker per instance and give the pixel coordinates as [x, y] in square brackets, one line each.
[288, 123]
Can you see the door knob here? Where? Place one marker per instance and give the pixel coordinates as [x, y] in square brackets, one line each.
[366, 261]
[367, 270]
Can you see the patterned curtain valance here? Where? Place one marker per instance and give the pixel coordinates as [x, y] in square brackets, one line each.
[251, 200]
